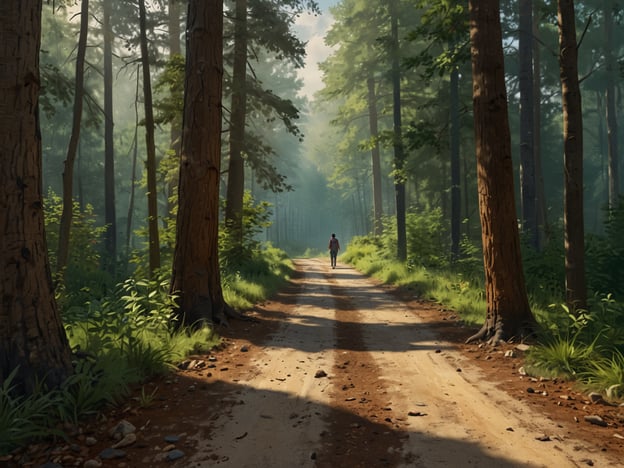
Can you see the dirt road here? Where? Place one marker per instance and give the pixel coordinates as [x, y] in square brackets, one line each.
[350, 377]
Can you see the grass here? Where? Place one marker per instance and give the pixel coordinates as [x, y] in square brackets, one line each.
[123, 340]
[585, 346]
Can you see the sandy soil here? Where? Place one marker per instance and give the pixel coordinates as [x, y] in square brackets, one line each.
[339, 371]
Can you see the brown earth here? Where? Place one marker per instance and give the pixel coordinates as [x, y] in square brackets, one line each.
[339, 371]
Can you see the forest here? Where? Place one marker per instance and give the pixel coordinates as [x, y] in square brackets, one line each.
[162, 163]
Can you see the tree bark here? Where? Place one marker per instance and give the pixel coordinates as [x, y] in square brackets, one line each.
[540, 204]
[236, 167]
[508, 312]
[31, 333]
[455, 164]
[68, 171]
[152, 195]
[375, 158]
[110, 216]
[611, 117]
[196, 277]
[573, 218]
[399, 154]
[527, 156]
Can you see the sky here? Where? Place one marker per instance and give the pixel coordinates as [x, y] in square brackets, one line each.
[311, 29]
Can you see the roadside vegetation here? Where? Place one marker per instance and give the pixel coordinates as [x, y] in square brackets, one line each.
[124, 334]
[586, 346]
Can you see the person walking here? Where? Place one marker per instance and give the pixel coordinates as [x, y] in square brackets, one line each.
[334, 247]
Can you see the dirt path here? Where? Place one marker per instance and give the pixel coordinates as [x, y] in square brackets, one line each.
[349, 376]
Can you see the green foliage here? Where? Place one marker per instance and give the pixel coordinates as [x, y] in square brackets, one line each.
[83, 278]
[605, 254]
[24, 419]
[605, 375]
[258, 278]
[544, 270]
[234, 254]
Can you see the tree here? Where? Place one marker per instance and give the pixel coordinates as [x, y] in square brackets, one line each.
[573, 218]
[527, 156]
[32, 338]
[375, 157]
[196, 278]
[110, 217]
[238, 111]
[610, 98]
[68, 172]
[399, 155]
[152, 196]
[508, 312]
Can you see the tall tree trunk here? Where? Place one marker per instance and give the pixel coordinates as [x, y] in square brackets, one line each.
[152, 195]
[508, 311]
[573, 219]
[375, 158]
[175, 133]
[399, 155]
[540, 203]
[527, 157]
[32, 339]
[68, 171]
[612, 132]
[455, 164]
[196, 277]
[236, 166]
[135, 157]
[110, 216]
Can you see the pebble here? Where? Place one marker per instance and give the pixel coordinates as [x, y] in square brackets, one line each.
[175, 455]
[319, 374]
[172, 439]
[92, 463]
[595, 419]
[111, 453]
[128, 439]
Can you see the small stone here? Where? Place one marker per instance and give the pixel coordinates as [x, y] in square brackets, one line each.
[92, 463]
[90, 441]
[244, 348]
[313, 456]
[543, 438]
[588, 461]
[595, 419]
[128, 439]
[522, 347]
[111, 453]
[596, 397]
[172, 439]
[175, 455]
[522, 371]
[416, 413]
[319, 374]
[122, 428]
[510, 353]
[530, 390]
[510, 429]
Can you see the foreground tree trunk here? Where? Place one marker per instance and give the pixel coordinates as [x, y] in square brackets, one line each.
[68, 171]
[31, 333]
[573, 219]
[152, 195]
[196, 277]
[508, 311]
